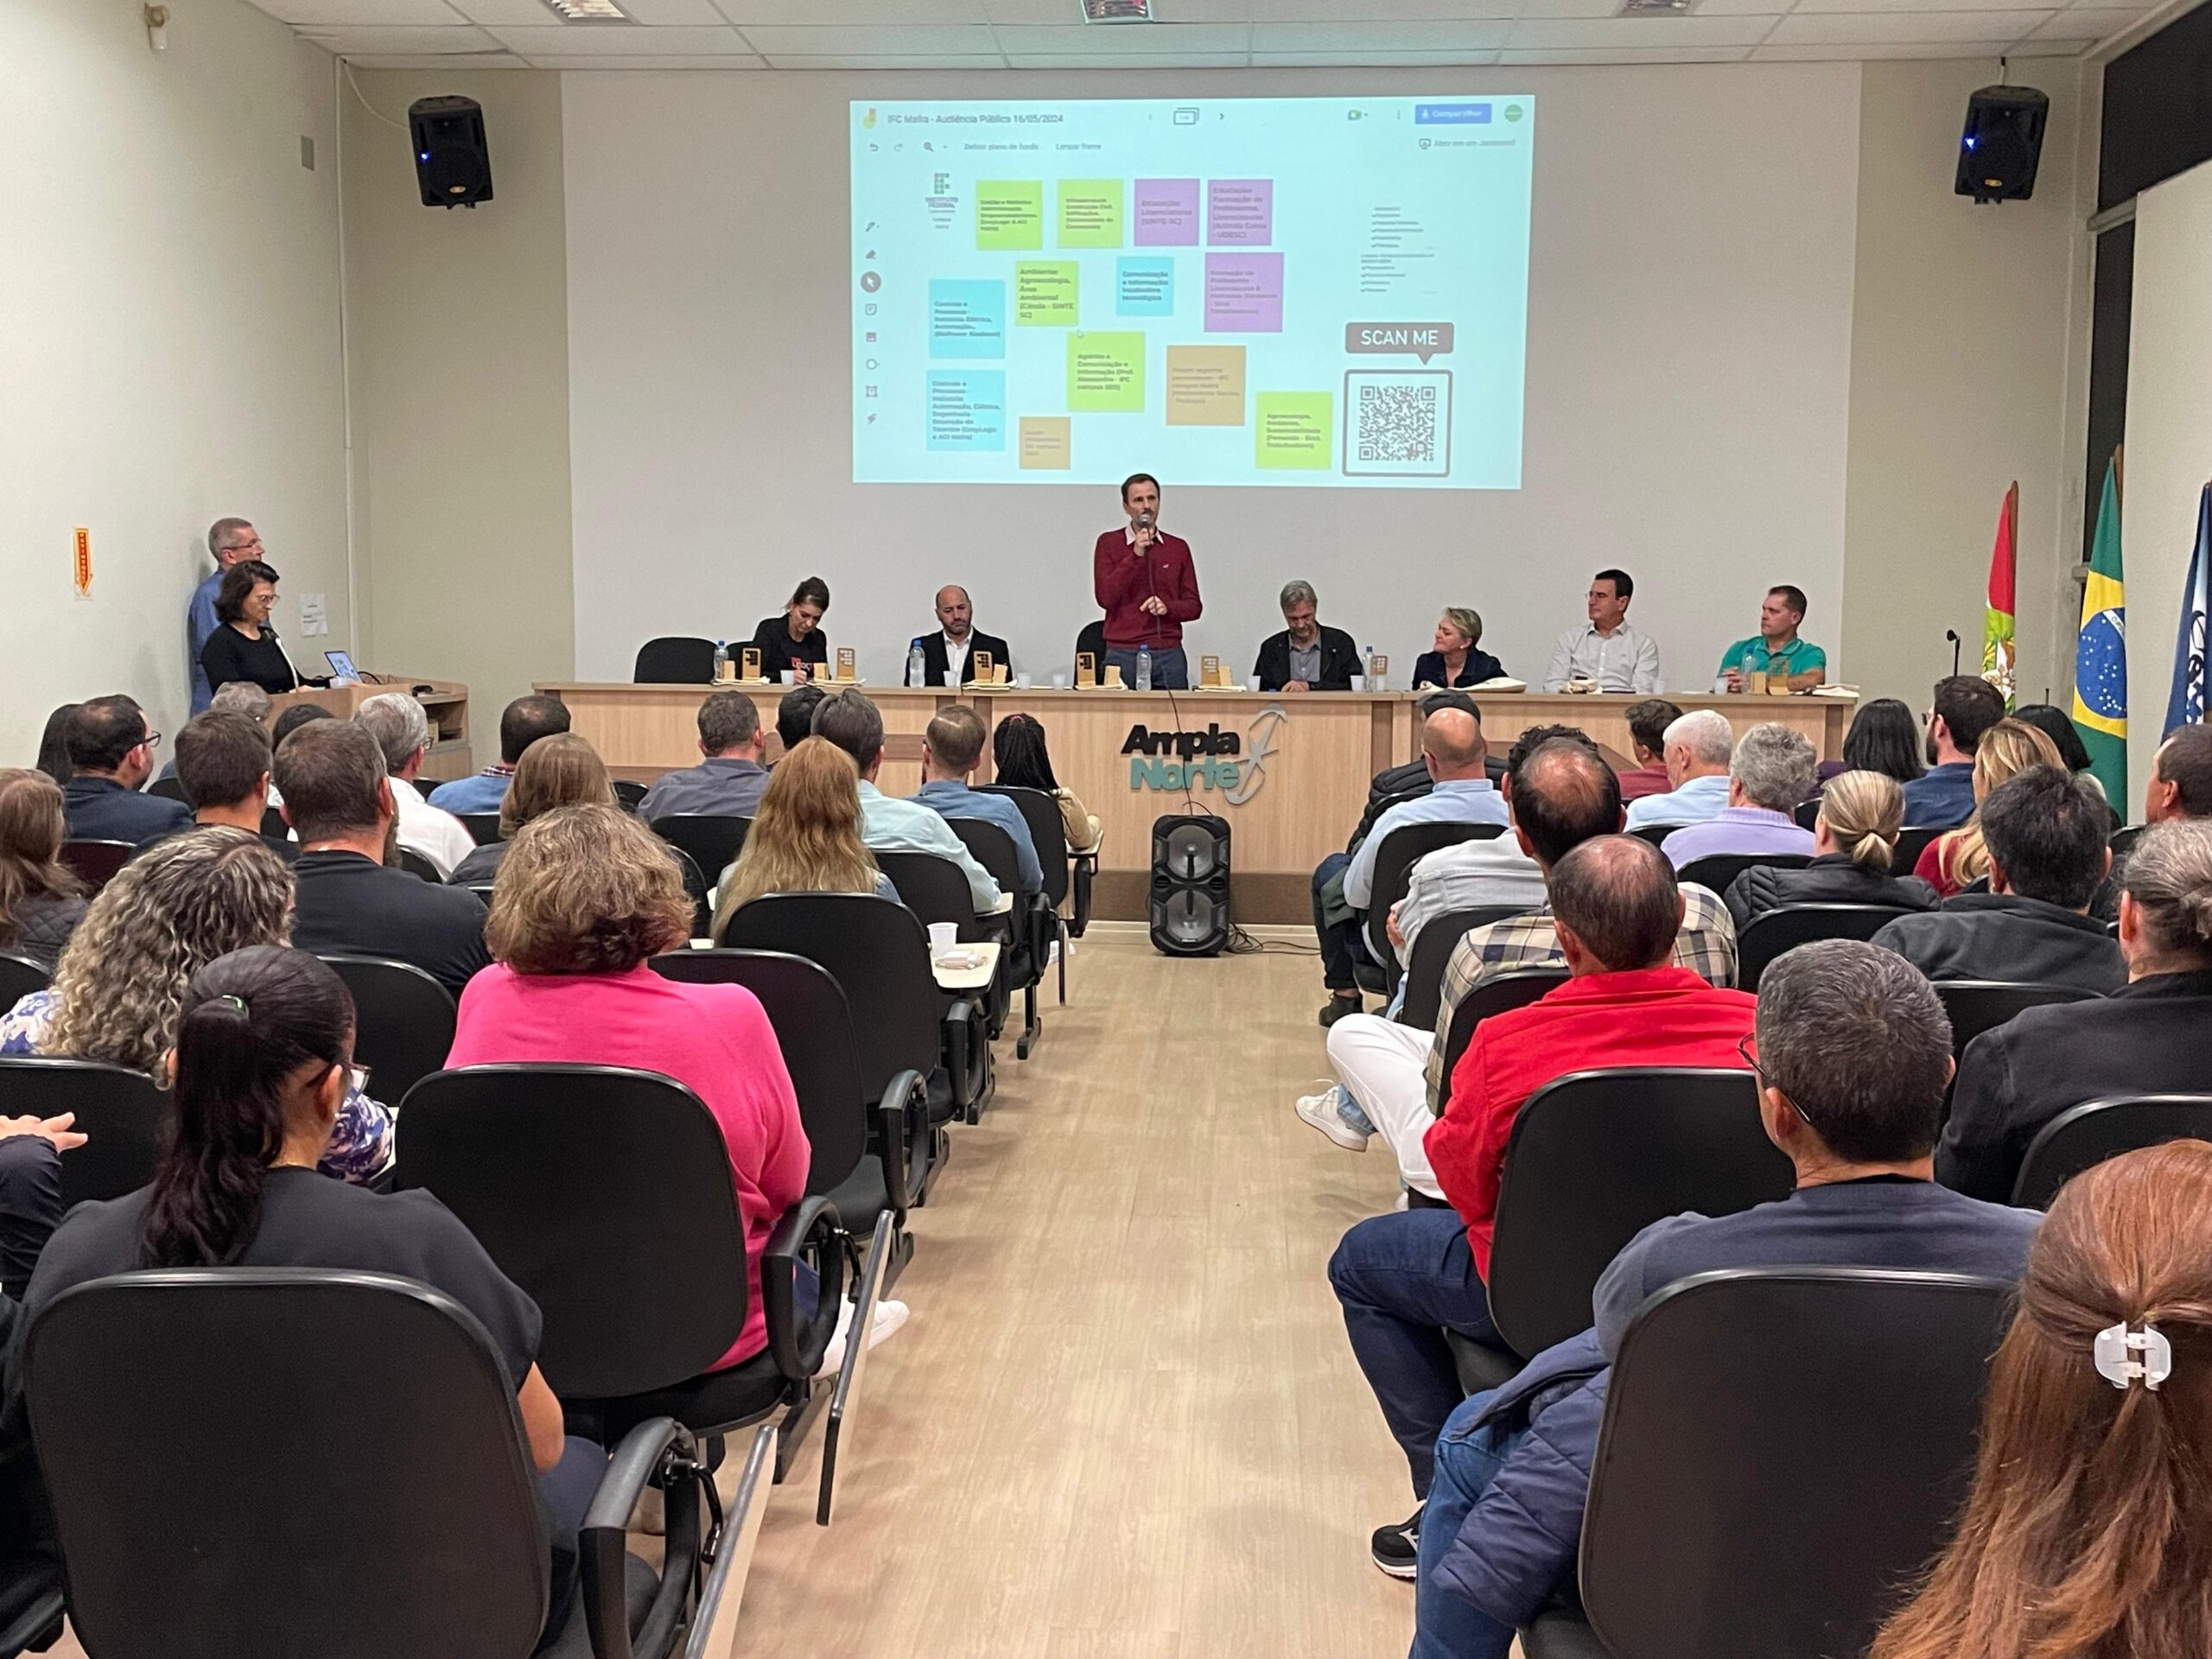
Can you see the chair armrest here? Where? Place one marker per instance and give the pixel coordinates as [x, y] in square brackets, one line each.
[903, 1117]
[1083, 868]
[958, 1031]
[714, 1624]
[809, 1228]
[661, 1446]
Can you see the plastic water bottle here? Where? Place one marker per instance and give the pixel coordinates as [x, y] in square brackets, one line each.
[1750, 666]
[915, 663]
[1367, 667]
[1144, 668]
[722, 659]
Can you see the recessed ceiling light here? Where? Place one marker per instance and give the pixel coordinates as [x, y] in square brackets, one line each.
[588, 11]
[1653, 8]
[1117, 11]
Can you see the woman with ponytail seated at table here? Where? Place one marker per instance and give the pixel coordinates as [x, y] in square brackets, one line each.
[1854, 840]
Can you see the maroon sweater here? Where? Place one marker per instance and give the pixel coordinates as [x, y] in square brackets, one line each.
[1123, 583]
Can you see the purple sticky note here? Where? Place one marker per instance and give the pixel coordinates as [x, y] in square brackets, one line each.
[1240, 212]
[1166, 213]
[1244, 293]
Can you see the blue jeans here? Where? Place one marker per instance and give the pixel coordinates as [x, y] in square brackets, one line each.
[1340, 941]
[1171, 672]
[1403, 1279]
[567, 1490]
[1467, 1461]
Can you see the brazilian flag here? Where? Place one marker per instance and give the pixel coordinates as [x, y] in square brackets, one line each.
[2100, 651]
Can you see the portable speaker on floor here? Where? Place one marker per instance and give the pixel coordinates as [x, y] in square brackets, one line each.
[1190, 885]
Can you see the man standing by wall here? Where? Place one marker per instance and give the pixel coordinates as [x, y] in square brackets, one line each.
[1145, 582]
[232, 541]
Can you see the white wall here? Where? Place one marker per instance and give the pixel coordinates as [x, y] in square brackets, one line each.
[1688, 402]
[168, 337]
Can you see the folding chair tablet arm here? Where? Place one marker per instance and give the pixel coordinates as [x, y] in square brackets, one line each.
[808, 1231]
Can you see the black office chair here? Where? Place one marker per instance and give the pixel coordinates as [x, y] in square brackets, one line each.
[95, 862]
[2084, 1136]
[1048, 833]
[1785, 928]
[1655, 833]
[675, 660]
[274, 825]
[1911, 843]
[2123, 840]
[859, 1139]
[1030, 924]
[628, 794]
[403, 1022]
[1806, 813]
[420, 1534]
[122, 1115]
[170, 788]
[1433, 948]
[1506, 992]
[695, 885]
[604, 1193]
[1091, 638]
[1979, 1004]
[1394, 864]
[483, 827]
[710, 840]
[1716, 870]
[407, 859]
[1824, 1420]
[19, 977]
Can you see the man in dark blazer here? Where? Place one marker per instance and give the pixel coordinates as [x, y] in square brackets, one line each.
[956, 642]
[111, 756]
[1304, 656]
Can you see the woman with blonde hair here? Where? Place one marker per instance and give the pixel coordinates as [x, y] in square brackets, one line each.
[2088, 1531]
[168, 913]
[806, 835]
[560, 769]
[40, 902]
[1453, 659]
[1954, 862]
[1854, 839]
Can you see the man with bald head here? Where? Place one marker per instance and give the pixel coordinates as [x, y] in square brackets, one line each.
[230, 540]
[949, 655]
[1453, 752]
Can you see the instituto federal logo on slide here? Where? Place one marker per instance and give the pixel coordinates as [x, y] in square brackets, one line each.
[1211, 759]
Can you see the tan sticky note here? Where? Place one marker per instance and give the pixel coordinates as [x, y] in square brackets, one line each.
[1045, 443]
[1205, 385]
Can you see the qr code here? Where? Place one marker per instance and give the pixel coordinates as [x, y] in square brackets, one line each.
[1398, 423]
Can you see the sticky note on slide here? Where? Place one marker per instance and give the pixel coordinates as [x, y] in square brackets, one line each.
[1106, 373]
[1045, 294]
[1144, 287]
[1244, 293]
[1166, 213]
[1045, 443]
[1205, 385]
[1292, 431]
[1240, 212]
[1090, 213]
[967, 319]
[1009, 215]
[967, 411]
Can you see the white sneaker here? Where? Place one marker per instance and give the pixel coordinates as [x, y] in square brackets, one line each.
[889, 1316]
[1320, 1112]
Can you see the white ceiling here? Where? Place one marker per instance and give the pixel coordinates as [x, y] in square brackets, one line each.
[1196, 34]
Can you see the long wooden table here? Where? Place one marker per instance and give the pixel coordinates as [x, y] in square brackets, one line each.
[1289, 773]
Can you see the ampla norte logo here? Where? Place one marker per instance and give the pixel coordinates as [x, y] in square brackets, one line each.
[1211, 759]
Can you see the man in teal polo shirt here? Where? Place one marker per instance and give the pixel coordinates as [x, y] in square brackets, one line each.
[1775, 648]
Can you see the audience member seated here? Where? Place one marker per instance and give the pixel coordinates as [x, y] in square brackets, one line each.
[111, 756]
[2150, 1037]
[1883, 737]
[1452, 659]
[2057, 725]
[1403, 783]
[584, 899]
[54, 746]
[239, 697]
[794, 715]
[167, 914]
[1956, 860]
[299, 715]
[806, 837]
[264, 1053]
[1020, 760]
[41, 901]
[1853, 1053]
[1453, 751]
[1697, 749]
[521, 724]
[2084, 1533]
[222, 766]
[952, 747]
[1771, 773]
[563, 769]
[1405, 1277]
[732, 771]
[402, 730]
[888, 824]
[2181, 777]
[338, 800]
[1854, 839]
[2046, 838]
[1966, 707]
[1648, 721]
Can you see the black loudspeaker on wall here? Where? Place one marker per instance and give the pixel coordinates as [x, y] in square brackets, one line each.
[453, 164]
[2002, 143]
[1190, 885]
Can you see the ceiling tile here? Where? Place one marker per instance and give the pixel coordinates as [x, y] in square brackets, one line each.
[1839, 54]
[1626, 54]
[2090, 23]
[872, 13]
[608, 39]
[889, 61]
[503, 12]
[668, 14]
[1917, 7]
[1903, 28]
[851, 41]
[442, 60]
[644, 61]
[1593, 8]
[1377, 11]
[1193, 11]
[1131, 61]
[1369, 60]
[2049, 48]
[1729, 9]
[353, 42]
[1364, 37]
[1151, 40]
[1028, 11]
[371, 12]
[1637, 34]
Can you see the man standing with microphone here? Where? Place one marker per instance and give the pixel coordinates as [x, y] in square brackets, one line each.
[1148, 587]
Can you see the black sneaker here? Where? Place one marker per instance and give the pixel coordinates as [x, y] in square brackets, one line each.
[1397, 1549]
[1338, 1007]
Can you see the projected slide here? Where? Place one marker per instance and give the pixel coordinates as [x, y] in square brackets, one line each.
[1298, 291]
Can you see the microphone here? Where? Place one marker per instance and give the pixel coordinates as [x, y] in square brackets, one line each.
[1952, 634]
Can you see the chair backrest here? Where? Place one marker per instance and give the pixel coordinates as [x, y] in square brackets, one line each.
[1771, 933]
[403, 1022]
[19, 977]
[1048, 833]
[2123, 839]
[1091, 637]
[696, 884]
[95, 862]
[604, 1193]
[2083, 1136]
[483, 827]
[675, 660]
[1655, 833]
[122, 1115]
[1912, 841]
[711, 840]
[1825, 1420]
[1514, 990]
[1394, 862]
[1594, 1159]
[935, 889]
[1806, 813]
[415, 864]
[1980, 1005]
[992, 849]
[1433, 948]
[1716, 870]
[628, 793]
[814, 1029]
[877, 951]
[170, 788]
[227, 1522]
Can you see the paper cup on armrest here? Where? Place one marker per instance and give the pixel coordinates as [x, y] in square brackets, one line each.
[944, 938]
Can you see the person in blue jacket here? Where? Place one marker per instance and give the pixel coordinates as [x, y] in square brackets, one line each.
[1852, 1052]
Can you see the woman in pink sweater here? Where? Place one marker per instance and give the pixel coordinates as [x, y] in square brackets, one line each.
[585, 896]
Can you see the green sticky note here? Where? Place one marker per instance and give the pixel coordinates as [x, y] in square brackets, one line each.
[1292, 431]
[1106, 374]
[1009, 215]
[1090, 213]
[1045, 294]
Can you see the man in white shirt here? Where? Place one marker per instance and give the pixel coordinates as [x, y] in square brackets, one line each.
[402, 732]
[888, 824]
[1605, 649]
[1699, 748]
[949, 655]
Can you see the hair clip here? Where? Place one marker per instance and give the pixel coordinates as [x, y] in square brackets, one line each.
[2117, 1344]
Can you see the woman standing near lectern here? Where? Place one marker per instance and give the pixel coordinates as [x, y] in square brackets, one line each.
[244, 647]
[795, 640]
